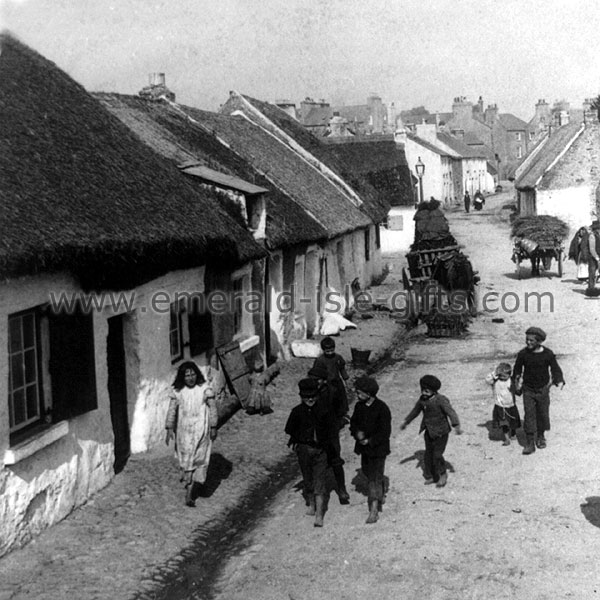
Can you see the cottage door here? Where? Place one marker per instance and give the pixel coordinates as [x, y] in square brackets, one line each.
[117, 391]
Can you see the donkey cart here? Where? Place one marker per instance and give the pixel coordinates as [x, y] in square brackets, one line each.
[541, 256]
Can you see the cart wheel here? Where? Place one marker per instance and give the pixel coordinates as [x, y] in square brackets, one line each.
[560, 265]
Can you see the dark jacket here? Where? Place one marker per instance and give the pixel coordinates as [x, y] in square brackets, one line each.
[310, 425]
[436, 412]
[375, 421]
[537, 367]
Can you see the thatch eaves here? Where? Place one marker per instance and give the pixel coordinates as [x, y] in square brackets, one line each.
[285, 168]
[373, 205]
[81, 194]
[166, 128]
[547, 155]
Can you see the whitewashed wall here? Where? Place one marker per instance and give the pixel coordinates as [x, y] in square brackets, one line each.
[73, 459]
[573, 205]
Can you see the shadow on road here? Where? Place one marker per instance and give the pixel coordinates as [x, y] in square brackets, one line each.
[219, 468]
[591, 510]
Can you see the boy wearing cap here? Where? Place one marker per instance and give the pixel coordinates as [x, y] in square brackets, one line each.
[506, 414]
[371, 427]
[436, 410]
[330, 402]
[536, 370]
[310, 429]
[335, 366]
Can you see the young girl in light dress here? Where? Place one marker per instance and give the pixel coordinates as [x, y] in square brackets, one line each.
[192, 420]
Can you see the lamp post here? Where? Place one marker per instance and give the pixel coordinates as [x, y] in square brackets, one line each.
[420, 169]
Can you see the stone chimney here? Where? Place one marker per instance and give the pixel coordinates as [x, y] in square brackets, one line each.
[400, 135]
[491, 114]
[157, 88]
[462, 109]
[560, 113]
[338, 126]
[391, 117]
[542, 111]
[376, 113]
[287, 107]
[479, 106]
[427, 132]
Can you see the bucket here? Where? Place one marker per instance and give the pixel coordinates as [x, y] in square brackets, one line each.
[360, 358]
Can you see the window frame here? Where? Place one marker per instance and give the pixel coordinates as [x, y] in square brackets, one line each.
[176, 309]
[19, 430]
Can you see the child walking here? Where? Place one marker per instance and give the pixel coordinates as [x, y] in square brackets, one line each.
[506, 414]
[536, 364]
[192, 420]
[436, 410]
[336, 372]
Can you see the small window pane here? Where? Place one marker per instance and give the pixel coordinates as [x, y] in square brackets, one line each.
[14, 334]
[33, 406]
[30, 366]
[28, 331]
[19, 406]
[16, 369]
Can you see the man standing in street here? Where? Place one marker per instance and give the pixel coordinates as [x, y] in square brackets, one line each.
[593, 256]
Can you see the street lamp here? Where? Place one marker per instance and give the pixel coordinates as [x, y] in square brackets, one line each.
[420, 169]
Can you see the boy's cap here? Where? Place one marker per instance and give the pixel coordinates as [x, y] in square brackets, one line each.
[308, 387]
[327, 343]
[504, 368]
[318, 373]
[540, 334]
[431, 382]
[595, 225]
[367, 385]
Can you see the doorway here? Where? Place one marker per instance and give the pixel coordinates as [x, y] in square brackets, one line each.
[117, 391]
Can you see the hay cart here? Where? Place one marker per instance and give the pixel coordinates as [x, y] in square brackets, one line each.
[540, 255]
[540, 239]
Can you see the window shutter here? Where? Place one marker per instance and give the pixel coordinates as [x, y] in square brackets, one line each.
[72, 365]
[200, 328]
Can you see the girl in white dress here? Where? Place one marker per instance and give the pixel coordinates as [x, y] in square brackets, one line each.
[192, 421]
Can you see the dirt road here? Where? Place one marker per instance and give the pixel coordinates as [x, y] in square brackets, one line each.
[506, 525]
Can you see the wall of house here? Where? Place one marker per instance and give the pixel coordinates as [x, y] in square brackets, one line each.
[433, 178]
[526, 202]
[57, 469]
[400, 231]
[574, 205]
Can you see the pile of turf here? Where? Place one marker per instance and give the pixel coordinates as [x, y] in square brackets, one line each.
[545, 230]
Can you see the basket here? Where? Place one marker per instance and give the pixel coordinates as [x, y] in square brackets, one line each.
[360, 358]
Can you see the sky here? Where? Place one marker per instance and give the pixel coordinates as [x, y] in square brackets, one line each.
[410, 52]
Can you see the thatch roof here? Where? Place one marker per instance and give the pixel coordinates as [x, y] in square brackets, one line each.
[374, 206]
[378, 160]
[166, 128]
[285, 168]
[547, 155]
[81, 194]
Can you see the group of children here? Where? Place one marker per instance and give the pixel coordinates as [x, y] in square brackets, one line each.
[314, 425]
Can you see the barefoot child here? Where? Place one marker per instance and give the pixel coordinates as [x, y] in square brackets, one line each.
[436, 410]
[506, 414]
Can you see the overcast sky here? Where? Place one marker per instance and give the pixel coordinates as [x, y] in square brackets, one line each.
[411, 52]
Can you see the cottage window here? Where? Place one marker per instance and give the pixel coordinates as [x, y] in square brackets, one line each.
[25, 393]
[531, 134]
[519, 152]
[51, 371]
[176, 331]
[367, 244]
[518, 136]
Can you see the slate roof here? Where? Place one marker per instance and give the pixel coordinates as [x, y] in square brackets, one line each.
[551, 150]
[429, 145]
[374, 205]
[81, 194]
[167, 128]
[512, 123]
[460, 147]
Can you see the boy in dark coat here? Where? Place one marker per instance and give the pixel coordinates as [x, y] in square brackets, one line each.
[333, 403]
[335, 365]
[371, 427]
[310, 429]
[436, 410]
[536, 364]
